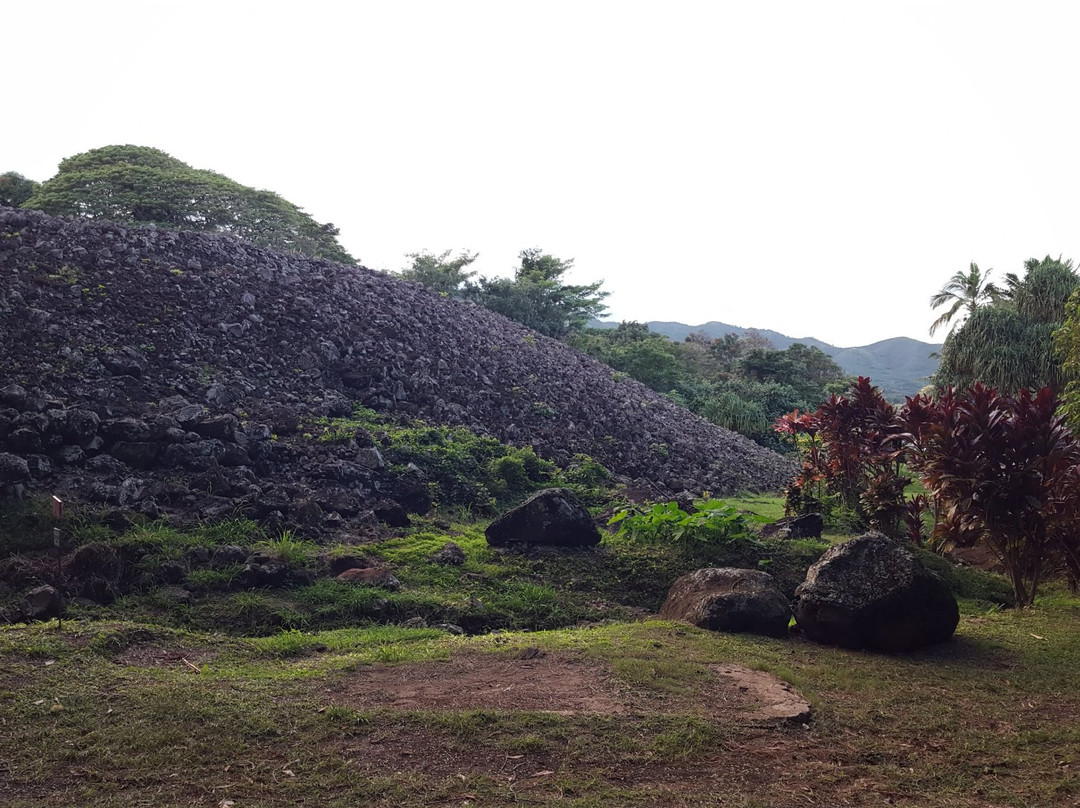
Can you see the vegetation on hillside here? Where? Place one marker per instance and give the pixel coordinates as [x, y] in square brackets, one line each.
[739, 383]
[538, 295]
[140, 185]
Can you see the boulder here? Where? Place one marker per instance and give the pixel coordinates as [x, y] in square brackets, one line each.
[724, 599]
[391, 513]
[552, 516]
[197, 456]
[41, 603]
[137, 454]
[807, 526]
[872, 593]
[222, 427]
[24, 440]
[263, 571]
[94, 560]
[13, 469]
[12, 395]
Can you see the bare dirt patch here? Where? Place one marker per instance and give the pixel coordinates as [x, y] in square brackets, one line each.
[541, 683]
[149, 656]
[562, 685]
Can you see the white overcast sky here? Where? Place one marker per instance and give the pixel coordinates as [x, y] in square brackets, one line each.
[815, 168]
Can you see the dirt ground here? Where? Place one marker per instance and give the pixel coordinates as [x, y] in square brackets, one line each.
[535, 681]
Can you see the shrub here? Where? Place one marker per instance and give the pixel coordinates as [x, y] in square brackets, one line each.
[713, 522]
[1006, 472]
[852, 450]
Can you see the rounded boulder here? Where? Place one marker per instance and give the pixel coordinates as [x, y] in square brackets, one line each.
[725, 599]
[872, 593]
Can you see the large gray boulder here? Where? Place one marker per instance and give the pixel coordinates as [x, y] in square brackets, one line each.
[552, 516]
[872, 593]
[724, 599]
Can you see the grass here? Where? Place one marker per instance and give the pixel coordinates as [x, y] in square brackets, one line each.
[988, 719]
[257, 696]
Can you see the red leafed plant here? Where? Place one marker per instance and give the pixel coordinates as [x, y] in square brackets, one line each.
[1004, 471]
[853, 449]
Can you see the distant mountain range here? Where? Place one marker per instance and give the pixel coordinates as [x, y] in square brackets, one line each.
[899, 366]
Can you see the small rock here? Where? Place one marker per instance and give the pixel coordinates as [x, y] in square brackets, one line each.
[372, 576]
[450, 554]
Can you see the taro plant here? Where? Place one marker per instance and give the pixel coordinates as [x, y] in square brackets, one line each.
[1005, 471]
[712, 522]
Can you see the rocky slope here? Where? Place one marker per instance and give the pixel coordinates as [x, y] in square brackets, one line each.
[159, 369]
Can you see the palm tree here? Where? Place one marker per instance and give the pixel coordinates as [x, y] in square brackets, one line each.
[965, 291]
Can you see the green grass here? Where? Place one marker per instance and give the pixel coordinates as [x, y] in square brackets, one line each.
[151, 699]
[987, 719]
[289, 548]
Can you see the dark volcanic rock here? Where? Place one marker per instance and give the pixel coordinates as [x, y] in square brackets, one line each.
[137, 454]
[450, 554]
[41, 603]
[197, 456]
[391, 512]
[323, 332]
[807, 526]
[552, 516]
[872, 593]
[723, 599]
[13, 468]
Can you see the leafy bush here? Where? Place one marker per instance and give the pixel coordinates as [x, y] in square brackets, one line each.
[713, 522]
[1005, 471]
[852, 451]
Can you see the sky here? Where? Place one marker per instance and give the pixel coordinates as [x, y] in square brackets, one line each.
[819, 169]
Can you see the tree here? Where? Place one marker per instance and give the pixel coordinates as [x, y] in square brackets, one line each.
[441, 273]
[139, 185]
[15, 189]
[1004, 471]
[538, 298]
[965, 291]
[1045, 290]
[1009, 344]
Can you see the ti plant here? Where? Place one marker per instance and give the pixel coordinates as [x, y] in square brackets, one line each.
[1005, 471]
[852, 450]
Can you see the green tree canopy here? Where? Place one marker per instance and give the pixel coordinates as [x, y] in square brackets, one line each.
[15, 189]
[538, 297]
[1009, 344]
[441, 273]
[633, 349]
[966, 291]
[140, 185]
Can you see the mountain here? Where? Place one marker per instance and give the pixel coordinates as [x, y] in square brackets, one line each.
[899, 366]
[177, 370]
